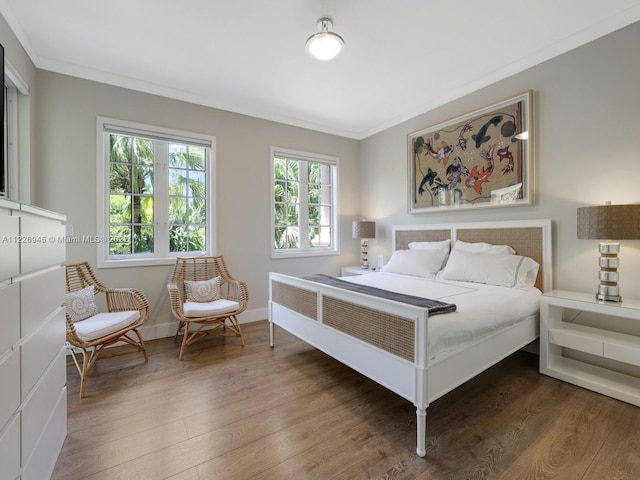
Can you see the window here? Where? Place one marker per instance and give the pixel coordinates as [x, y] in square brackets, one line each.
[4, 184]
[16, 115]
[155, 194]
[304, 206]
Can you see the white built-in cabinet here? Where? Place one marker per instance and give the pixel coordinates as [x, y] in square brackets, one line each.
[33, 407]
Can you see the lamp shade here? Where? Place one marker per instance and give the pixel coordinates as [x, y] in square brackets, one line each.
[609, 222]
[363, 229]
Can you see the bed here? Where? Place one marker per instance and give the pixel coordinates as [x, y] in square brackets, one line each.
[400, 345]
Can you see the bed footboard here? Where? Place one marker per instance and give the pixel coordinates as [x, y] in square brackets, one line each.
[383, 330]
[382, 339]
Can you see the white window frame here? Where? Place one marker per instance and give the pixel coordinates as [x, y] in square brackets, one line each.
[305, 251]
[17, 127]
[161, 256]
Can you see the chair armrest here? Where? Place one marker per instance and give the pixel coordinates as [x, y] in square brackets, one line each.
[175, 300]
[72, 335]
[237, 290]
[122, 299]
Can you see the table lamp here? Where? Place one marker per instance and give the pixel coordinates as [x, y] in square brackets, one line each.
[609, 222]
[364, 230]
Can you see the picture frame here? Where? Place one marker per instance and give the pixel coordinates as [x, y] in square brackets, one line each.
[482, 159]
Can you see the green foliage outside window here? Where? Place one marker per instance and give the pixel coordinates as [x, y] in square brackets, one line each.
[287, 203]
[187, 198]
[131, 195]
[131, 198]
[289, 184]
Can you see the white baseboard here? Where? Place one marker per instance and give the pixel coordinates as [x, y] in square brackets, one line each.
[164, 330]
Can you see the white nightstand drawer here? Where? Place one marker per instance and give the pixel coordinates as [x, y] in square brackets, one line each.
[573, 338]
[623, 352]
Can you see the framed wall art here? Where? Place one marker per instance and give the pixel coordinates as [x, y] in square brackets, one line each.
[480, 160]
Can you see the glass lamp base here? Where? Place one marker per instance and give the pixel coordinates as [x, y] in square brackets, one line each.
[608, 290]
[364, 255]
[608, 293]
[608, 298]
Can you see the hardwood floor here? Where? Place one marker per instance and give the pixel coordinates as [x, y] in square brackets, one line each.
[232, 412]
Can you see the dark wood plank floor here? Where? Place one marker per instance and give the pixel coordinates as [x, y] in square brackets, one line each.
[228, 412]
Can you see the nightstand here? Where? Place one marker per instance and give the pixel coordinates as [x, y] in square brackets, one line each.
[348, 271]
[601, 344]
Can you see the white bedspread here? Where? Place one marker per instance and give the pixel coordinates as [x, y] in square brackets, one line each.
[481, 309]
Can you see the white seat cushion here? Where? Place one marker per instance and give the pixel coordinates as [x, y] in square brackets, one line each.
[103, 324]
[205, 309]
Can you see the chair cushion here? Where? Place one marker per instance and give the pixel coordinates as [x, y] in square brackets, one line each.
[104, 324]
[203, 290]
[202, 309]
[81, 304]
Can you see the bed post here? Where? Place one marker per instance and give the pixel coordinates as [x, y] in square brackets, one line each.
[421, 394]
[421, 421]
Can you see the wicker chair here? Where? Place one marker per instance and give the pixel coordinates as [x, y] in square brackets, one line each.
[208, 314]
[127, 310]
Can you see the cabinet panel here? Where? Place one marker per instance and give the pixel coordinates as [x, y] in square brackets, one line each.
[10, 381]
[41, 348]
[10, 319]
[39, 297]
[43, 244]
[52, 438]
[9, 237]
[41, 405]
[10, 449]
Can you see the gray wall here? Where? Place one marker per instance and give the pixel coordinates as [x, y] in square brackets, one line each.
[587, 128]
[65, 181]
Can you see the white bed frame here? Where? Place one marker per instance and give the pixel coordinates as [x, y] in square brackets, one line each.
[324, 316]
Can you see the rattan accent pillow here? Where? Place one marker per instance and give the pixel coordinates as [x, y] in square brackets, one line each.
[81, 304]
[203, 290]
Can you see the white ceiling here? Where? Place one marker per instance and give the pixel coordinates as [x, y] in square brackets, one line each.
[401, 57]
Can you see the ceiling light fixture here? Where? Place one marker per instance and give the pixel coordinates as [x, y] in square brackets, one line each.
[324, 45]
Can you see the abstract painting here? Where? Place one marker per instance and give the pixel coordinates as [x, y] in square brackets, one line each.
[479, 160]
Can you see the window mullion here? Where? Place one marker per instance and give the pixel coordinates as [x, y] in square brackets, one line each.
[161, 202]
[303, 175]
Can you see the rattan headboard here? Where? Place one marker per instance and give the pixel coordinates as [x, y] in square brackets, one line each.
[529, 238]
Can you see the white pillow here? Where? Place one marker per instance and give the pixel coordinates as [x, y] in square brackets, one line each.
[419, 263]
[81, 304]
[503, 270]
[203, 290]
[483, 247]
[430, 245]
[440, 245]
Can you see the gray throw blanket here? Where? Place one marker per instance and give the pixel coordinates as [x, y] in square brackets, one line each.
[433, 306]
